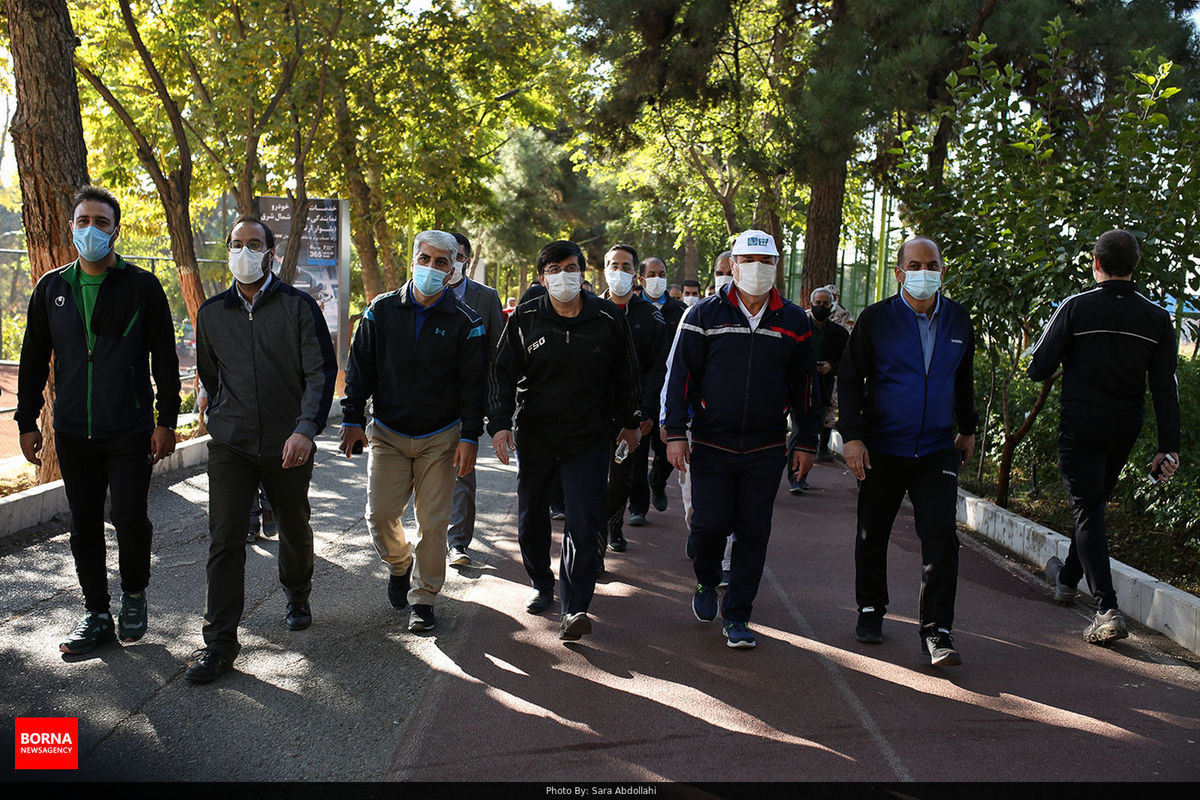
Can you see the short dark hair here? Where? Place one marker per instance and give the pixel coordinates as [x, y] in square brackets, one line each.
[1118, 253]
[560, 251]
[628, 248]
[647, 260]
[268, 234]
[99, 194]
[691, 282]
[463, 240]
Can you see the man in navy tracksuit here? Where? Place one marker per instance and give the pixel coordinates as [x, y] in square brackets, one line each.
[905, 382]
[741, 359]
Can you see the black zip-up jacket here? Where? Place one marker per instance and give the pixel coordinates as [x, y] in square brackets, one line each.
[672, 312]
[651, 343]
[829, 342]
[269, 373]
[1109, 340]
[105, 392]
[418, 385]
[568, 380]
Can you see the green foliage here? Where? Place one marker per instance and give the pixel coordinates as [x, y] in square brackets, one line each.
[11, 336]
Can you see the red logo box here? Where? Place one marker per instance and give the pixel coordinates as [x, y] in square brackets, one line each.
[47, 743]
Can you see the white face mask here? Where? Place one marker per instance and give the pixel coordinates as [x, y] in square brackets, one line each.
[655, 287]
[690, 300]
[721, 281]
[754, 277]
[619, 282]
[922, 284]
[456, 274]
[564, 286]
[246, 265]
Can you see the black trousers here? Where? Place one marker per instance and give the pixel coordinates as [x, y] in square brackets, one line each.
[1090, 459]
[932, 484]
[233, 479]
[638, 483]
[584, 481]
[660, 470]
[626, 484]
[733, 492]
[91, 468]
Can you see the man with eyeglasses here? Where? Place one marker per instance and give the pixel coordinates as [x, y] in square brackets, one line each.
[484, 301]
[265, 357]
[567, 373]
[104, 320]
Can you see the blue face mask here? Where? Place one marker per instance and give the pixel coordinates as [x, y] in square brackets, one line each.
[92, 243]
[922, 284]
[428, 280]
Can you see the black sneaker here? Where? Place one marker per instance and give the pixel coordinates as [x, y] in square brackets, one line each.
[421, 619]
[870, 626]
[572, 627]
[207, 665]
[539, 602]
[251, 535]
[618, 544]
[658, 499]
[299, 616]
[398, 586]
[704, 603]
[637, 520]
[558, 513]
[131, 619]
[94, 629]
[938, 647]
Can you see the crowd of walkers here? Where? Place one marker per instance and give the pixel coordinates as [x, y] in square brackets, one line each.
[598, 396]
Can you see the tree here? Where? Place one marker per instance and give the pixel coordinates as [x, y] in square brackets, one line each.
[47, 134]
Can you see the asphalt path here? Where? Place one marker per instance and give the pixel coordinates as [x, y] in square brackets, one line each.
[652, 694]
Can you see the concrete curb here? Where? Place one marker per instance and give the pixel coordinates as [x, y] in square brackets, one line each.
[1143, 598]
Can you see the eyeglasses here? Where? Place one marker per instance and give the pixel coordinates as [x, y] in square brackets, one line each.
[554, 269]
[255, 247]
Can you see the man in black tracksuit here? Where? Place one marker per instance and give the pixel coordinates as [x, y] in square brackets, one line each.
[653, 273]
[566, 369]
[102, 318]
[627, 479]
[1108, 340]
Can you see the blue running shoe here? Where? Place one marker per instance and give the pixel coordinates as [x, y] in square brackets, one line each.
[704, 603]
[737, 634]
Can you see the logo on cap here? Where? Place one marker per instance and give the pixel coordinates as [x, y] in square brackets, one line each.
[757, 241]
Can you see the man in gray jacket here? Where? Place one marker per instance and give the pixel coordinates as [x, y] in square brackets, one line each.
[484, 301]
[265, 357]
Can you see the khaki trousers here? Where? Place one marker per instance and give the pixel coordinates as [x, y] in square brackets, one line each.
[397, 467]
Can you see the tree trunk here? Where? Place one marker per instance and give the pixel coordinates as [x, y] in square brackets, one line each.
[183, 245]
[385, 242]
[360, 198]
[691, 258]
[1004, 479]
[824, 229]
[47, 134]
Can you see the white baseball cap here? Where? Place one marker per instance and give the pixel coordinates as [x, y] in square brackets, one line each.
[754, 243]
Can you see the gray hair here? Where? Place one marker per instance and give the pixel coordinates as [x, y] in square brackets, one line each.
[439, 240]
[812, 297]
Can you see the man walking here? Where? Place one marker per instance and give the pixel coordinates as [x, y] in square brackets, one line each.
[418, 355]
[485, 302]
[104, 320]
[1109, 340]
[829, 342]
[906, 381]
[654, 279]
[265, 357]
[741, 359]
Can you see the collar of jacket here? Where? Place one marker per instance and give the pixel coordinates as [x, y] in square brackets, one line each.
[233, 295]
[730, 295]
[591, 307]
[634, 299]
[446, 304]
[72, 270]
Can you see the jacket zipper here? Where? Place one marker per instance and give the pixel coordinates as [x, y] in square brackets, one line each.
[749, 373]
[925, 400]
[254, 373]
[91, 353]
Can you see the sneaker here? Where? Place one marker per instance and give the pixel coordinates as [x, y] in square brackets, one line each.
[658, 499]
[539, 602]
[459, 558]
[269, 526]
[618, 544]
[94, 629]
[558, 513]
[724, 584]
[804, 484]
[1106, 627]
[398, 586]
[737, 634]
[637, 520]
[688, 549]
[704, 603]
[574, 626]
[421, 619]
[870, 626]
[299, 616]
[1064, 595]
[131, 619]
[938, 646]
[207, 665]
[252, 535]
[797, 488]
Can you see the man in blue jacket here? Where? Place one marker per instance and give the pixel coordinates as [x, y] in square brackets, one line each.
[740, 361]
[905, 383]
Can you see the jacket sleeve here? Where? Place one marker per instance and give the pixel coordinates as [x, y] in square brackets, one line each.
[1165, 390]
[804, 391]
[1052, 346]
[362, 371]
[853, 373]
[628, 378]
[319, 362]
[206, 364]
[838, 338]
[685, 375]
[34, 369]
[493, 319]
[505, 370]
[160, 335]
[472, 380]
[657, 370]
[964, 387]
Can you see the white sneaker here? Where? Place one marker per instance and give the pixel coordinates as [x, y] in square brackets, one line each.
[458, 557]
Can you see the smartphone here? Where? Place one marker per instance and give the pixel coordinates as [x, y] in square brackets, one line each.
[357, 448]
[1156, 473]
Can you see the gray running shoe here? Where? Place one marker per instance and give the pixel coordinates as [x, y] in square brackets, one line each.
[1106, 628]
[1064, 595]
